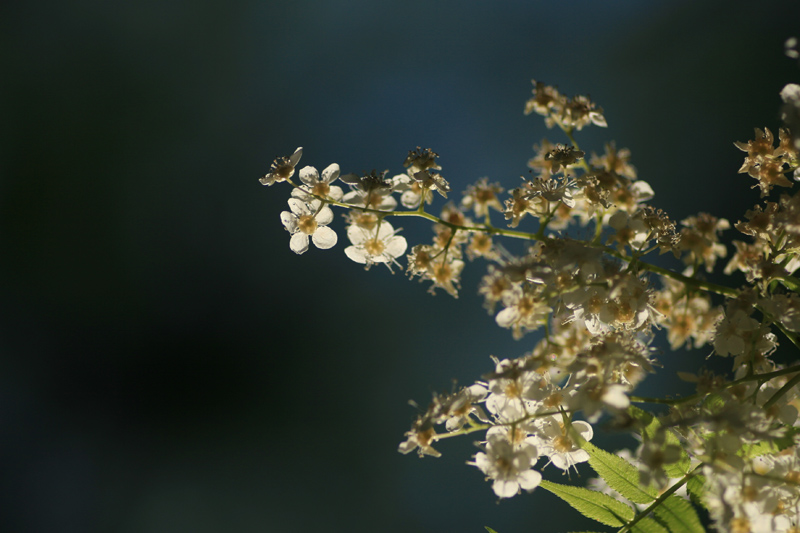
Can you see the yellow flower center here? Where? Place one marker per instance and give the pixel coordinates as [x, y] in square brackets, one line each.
[321, 189]
[366, 220]
[562, 444]
[374, 247]
[307, 224]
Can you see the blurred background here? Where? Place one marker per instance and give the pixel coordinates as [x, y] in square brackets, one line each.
[168, 364]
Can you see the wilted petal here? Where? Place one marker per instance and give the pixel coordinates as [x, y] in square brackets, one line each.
[324, 238]
[299, 242]
[407, 446]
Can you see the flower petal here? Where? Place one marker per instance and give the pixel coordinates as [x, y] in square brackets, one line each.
[325, 216]
[289, 221]
[529, 479]
[357, 235]
[505, 489]
[299, 243]
[385, 231]
[388, 203]
[309, 176]
[395, 246]
[295, 158]
[507, 317]
[330, 173]
[410, 199]
[324, 238]
[298, 207]
[584, 429]
[335, 192]
[356, 254]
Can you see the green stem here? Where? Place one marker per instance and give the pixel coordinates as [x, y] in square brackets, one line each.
[755, 377]
[658, 501]
[692, 282]
[782, 391]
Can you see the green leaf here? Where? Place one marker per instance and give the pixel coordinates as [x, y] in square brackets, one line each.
[748, 451]
[790, 282]
[620, 475]
[679, 516]
[714, 403]
[696, 489]
[648, 525]
[652, 426]
[592, 504]
[490, 530]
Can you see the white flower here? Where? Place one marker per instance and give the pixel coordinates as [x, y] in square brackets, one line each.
[733, 332]
[372, 190]
[562, 450]
[377, 246]
[313, 184]
[411, 191]
[464, 405]
[282, 168]
[308, 220]
[509, 465]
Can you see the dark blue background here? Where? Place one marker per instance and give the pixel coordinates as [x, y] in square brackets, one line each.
[168, 364]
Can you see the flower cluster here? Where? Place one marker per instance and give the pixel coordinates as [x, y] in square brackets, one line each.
[599, 305]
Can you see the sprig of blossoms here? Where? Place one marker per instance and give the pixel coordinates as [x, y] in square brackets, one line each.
[584, 282]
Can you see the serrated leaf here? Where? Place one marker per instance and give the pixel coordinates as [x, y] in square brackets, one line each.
[748, 451]
[696, 489]
[592, 504]
[652, 426]
[679, 516]
[620, 475]
[648, 525]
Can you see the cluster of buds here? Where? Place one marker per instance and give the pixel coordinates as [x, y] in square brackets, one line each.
[575, 112]
[599, 305]
[767, 163]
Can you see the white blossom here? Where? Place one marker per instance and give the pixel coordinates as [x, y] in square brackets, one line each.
[509, 465]
[376, 246]
[313, 184]
[308, 220]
